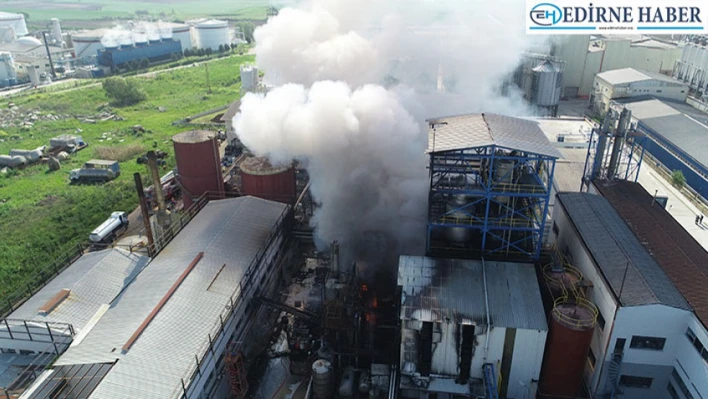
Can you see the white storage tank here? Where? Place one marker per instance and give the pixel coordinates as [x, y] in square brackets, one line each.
[249, 77]
[29, 41]
[7, 66]
[182, 34]
[548, 79]
[14, 21]
[56, 31]
[212, 33]
[86, 44]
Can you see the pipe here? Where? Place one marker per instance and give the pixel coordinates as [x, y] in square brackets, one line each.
[144, 210]
[156, 181]
[486, 306]
[49, 55]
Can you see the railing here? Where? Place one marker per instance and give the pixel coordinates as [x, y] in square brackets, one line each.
[194, 374]
[10, 302]
[572, 321]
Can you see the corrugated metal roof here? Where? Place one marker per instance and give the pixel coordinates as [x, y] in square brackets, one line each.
[229, 232]
[686, 131]
[616, 249]
[439, 289]
[682, 258]
[481, 130]
[94, 279]
[631, 75]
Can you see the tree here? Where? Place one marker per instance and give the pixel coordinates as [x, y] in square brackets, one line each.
[247, 28]
[221, 48]
[144, 63]
[124, 92]
[678, 179]
[209, 51]
[187, 52]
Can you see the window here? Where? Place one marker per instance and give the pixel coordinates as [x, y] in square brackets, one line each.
[635, 382]
[672, 391]
[658, 91]
[697, 344]
[600, 320]
[654, 343]
[591, 360]
[681, 384]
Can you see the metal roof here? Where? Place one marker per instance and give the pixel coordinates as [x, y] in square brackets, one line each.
[682, 258]
[233, 109]
[481, 130]
[616, 250]
[94, 279]
[230, 232]
[438, 289]
[686, 129]
[631, 75]
[71, 382]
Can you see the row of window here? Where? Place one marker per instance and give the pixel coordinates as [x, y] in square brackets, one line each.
[697, 344]
[682, 385]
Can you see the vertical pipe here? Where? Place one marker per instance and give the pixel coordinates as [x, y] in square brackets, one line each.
[587, 161]
[156, 183]
[490, 184]
[49, 55]
[486, 308]
[144, 210]
[545, 211]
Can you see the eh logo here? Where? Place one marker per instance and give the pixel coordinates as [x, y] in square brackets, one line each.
[546, 14]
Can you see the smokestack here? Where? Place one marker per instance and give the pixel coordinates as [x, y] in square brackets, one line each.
[144, 211]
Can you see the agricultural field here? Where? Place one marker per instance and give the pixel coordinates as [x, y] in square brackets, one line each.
[41, 215]
[74, 11]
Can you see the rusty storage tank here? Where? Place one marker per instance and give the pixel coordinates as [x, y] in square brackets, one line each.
[562, 279]
[261, 179]
[198, 164]
[571, 330]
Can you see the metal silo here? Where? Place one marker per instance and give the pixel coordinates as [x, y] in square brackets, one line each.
[14, 21]
[198, 164]
[567, 347]
[261, 179]
[87, 44]
[547, 82]
[249, 77]
[212, 33]
[181, 33]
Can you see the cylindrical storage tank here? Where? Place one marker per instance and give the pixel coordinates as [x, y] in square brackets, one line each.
[567, 347]
[87, 44]
[249, 77]
[261, 179]
[56, 31]
[212, 33]
[548, 79]
[198, 164]
[182, 34]
[454, 215]
[322, 379]
[562, 279]
[14, 21]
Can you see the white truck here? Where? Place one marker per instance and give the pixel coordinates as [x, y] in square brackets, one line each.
[106, 232]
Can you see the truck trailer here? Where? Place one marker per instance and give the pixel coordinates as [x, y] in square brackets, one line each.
[95, 170]
[106, 232]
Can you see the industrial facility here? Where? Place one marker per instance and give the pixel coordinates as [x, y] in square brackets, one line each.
[540, 78]
[629, 83]
[692, 67]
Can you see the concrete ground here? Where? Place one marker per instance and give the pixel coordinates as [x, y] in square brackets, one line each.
[575, 107]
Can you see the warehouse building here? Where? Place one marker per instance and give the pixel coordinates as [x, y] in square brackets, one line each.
[173, 328]
[585, 56]
[630, 82]
[677, 134]
[639, 347]
[464, 321]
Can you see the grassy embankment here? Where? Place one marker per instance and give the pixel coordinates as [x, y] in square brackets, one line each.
[41, 215]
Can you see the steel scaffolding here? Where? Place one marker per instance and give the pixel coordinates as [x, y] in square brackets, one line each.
[489, 201]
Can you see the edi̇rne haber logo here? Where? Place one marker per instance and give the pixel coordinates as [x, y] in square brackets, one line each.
[616, 17]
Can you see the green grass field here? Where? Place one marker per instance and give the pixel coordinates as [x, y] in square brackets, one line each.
[108, 9]
[41, 215]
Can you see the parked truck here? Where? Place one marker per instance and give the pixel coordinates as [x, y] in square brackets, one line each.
[95, 170]
[107, 231]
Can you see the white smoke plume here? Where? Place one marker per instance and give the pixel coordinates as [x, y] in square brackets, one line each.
[357, 82]
[139, 32]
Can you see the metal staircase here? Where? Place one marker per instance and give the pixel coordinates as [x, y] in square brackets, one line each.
[614, 371]
[490, 381]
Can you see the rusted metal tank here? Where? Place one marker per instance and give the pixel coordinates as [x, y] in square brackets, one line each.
[198, 164]
[261, 179]
[568, 344]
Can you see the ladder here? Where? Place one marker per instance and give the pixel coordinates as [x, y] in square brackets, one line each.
[490, 381]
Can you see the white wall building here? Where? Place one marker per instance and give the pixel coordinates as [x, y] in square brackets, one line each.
[640, 343]
[629, 82]
[460, 315]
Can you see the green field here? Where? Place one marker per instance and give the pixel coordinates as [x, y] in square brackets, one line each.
[71, 10]
[41, 215]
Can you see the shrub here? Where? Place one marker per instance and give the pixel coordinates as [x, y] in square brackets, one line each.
[678, 179]
[124, 91]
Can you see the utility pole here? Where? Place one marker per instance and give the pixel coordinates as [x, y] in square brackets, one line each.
[206, 66]
[49, 55]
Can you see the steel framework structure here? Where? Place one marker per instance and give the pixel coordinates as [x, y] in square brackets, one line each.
[489, 201]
